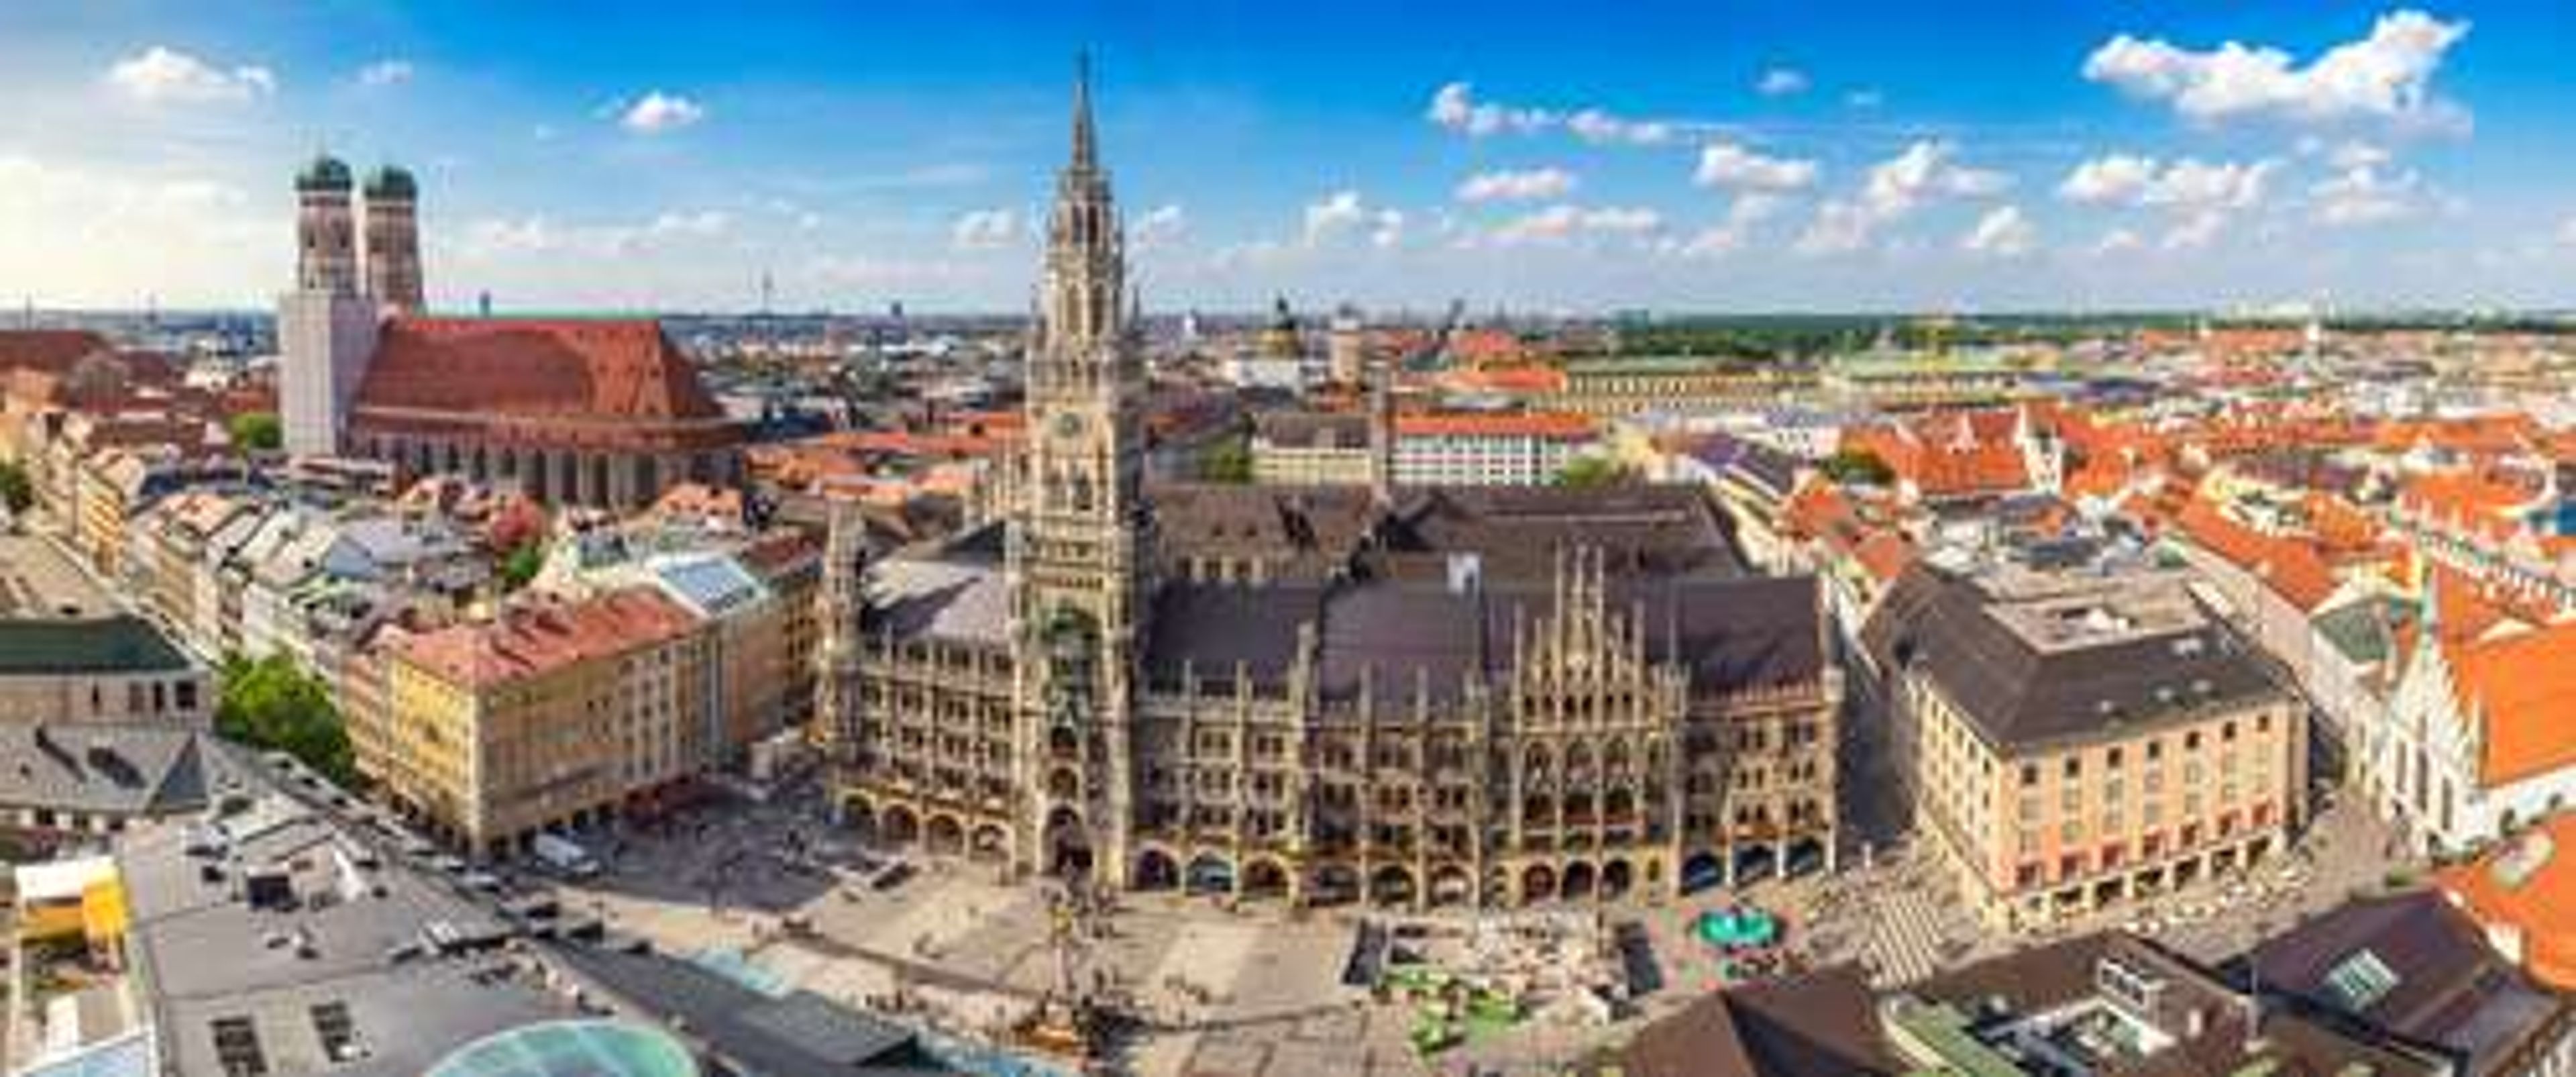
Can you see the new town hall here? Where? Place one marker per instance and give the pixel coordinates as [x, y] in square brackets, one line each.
[1406, 696]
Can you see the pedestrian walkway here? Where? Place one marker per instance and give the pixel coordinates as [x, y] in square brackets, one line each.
[1905, 937]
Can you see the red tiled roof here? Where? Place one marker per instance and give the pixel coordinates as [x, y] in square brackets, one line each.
[2536, 901]
[621, 368]
[2522, 687]
[529, 641]
[50, 350]
[2290, 567]
[1561, 425]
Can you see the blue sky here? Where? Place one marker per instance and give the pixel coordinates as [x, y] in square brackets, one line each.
[1760, 155]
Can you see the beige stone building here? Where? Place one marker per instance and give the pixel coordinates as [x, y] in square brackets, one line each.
[551, 715]
[2077, 742]
[1313, 694]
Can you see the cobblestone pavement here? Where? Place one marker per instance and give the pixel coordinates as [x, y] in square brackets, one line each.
[1257, 993]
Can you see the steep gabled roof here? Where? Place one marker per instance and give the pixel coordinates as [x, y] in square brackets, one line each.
[533, 369]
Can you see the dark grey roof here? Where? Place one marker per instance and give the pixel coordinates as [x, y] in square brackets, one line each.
[2450, 989]
[1760, 465]
[1208, 630]
[1517, 532]
[1312, 429]
[750, 1032]
[1404, 636]
[123, 643]
[202, 953]
[1810, 1025]
[2019, 695]
[101, 769]
[955, 601]
[1299, 530]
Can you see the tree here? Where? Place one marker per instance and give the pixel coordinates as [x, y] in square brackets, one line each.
[522, 565]
[1859, 466]
[16, 491]
[1587, 472]
[257, 431]
[1228, 462]
[271, 703]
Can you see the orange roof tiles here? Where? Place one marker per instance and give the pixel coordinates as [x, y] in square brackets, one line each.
[53, 351]
[2504, 888]
[530, 641]
[2522, 687]
[2292, 568]
[1560, 425]
[544, 370]
[1949, 454]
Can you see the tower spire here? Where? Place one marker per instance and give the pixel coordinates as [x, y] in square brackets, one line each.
[1086, 154]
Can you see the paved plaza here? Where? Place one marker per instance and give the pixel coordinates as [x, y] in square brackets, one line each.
[1258, 992]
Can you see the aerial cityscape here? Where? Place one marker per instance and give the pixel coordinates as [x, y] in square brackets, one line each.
[1222, 540]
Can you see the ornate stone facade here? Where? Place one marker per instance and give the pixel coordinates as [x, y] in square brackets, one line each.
[1311, 695]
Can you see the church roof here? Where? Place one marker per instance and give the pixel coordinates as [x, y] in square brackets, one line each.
[51, 351]
[615, 371]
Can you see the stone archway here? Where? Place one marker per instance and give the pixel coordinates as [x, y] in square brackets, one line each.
[1538, 883]
[858, 815]
[1155, 870]
[1333, 884]
[898, 825]
[944, 836]
[1265, 879]
[1579, 883]
[992, 843]
[1209, 875]
[1067, 844]
[1617, 878]
[1702, 871]
[1452, 885]
[1392, 885]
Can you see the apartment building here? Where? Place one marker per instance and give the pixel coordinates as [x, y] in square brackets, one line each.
[2080, 740]
[549, 715]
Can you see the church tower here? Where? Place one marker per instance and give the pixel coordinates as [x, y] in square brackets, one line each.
[393, 241]
[326, 329]
[1076, 545]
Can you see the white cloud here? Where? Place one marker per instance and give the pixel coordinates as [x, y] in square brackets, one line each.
[1896, 187]
[703, 224]
[2199, 197]
[1602, 128]
[160, 75]
[1726, 165]
[1782, 82]
[1865, 99]
[2189, 183]
[2002, 233]
[1344, 212]
[984, 230]
[1160, 226]
[657, 112]
[2365, 194]
[74, 231]
[1455, 107]
[2567, 232]
[1564, 222]
[1729, 236]
[384, 73]
[2386, 76]
[502, 238]
[2119, 241]
[1510, 186]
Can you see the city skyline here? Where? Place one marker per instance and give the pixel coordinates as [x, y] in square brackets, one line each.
[2362, 155]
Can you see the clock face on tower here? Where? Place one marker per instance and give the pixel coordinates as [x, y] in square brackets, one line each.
[1068, 426]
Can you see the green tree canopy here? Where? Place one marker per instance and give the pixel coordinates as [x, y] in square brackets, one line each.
[1229, 461]
[1858, 466]
[16, 491]
[271, 703]
[521, 565]
[258, 431]
[1586, 472]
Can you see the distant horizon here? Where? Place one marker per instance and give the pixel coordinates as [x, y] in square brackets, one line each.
[2191, 156]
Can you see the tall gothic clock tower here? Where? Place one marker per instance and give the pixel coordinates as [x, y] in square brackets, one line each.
[1077, 543]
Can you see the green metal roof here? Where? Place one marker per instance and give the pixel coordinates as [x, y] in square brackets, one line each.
[120, 644]
[572, 1049]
